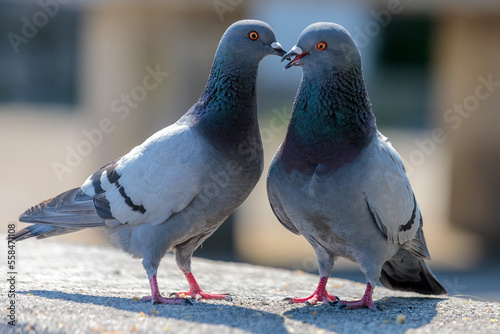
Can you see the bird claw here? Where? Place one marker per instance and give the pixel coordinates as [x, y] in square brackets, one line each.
[187, 301]
[365, 302]
[199, 295]
[333, 302]
[312, 299]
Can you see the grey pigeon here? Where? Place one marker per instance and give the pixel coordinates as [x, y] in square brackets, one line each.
[337, 181]
[174, 190]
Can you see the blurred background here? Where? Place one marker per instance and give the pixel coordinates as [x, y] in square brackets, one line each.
[82, 82]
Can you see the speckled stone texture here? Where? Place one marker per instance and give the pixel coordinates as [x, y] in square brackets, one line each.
[66, 288]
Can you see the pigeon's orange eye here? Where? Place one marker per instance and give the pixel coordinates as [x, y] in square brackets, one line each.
[253, 35]
[321, 46]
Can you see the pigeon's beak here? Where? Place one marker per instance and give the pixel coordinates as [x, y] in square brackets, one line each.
[278, 49]
[298, 53]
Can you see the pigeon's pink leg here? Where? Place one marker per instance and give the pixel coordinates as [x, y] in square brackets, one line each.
[196, 292]
[319, 294]
[156, 298]
[365, 302]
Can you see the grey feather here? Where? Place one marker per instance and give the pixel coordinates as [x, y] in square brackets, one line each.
[70, 209]
[42, 231]
[279, 211]
[408, 273]
[174, 190]
[337, 181]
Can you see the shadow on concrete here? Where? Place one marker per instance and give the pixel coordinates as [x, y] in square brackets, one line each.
[234, 316]
[417, 312]
[479, 283]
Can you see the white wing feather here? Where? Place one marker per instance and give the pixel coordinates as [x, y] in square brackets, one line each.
[163, 175]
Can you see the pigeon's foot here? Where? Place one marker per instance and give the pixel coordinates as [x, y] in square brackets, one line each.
[171, 301]
[320, 294]
[198, 294]
[313, 299]
[156, 297]
[365, 302]
[353, 305]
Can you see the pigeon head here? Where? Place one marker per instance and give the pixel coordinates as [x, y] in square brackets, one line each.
[227, 108]
[325, 45]
[332, 111]
[250, 40]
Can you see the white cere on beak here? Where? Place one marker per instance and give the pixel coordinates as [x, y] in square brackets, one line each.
[295, 50]
[276, 45]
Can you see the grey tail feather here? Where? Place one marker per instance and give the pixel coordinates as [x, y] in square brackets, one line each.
[417, 246]
[405, 272]
[41, 231]
[71, 209]
[68, 212]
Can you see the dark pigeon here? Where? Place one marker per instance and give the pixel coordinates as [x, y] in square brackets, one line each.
[337, 180]
[174, 190]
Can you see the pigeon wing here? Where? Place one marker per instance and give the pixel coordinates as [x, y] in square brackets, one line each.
[153, 181]
[279, 211]
[391, 201]
[274, 198]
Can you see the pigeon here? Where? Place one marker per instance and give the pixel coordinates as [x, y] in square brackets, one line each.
[173, 191]
[337, 180]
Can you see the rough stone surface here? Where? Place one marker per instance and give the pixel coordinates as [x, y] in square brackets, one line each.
[66, 288]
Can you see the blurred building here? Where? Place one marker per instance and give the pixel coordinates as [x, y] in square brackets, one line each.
[82, 82]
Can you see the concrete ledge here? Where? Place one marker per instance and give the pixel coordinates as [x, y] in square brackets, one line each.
[65, 288]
